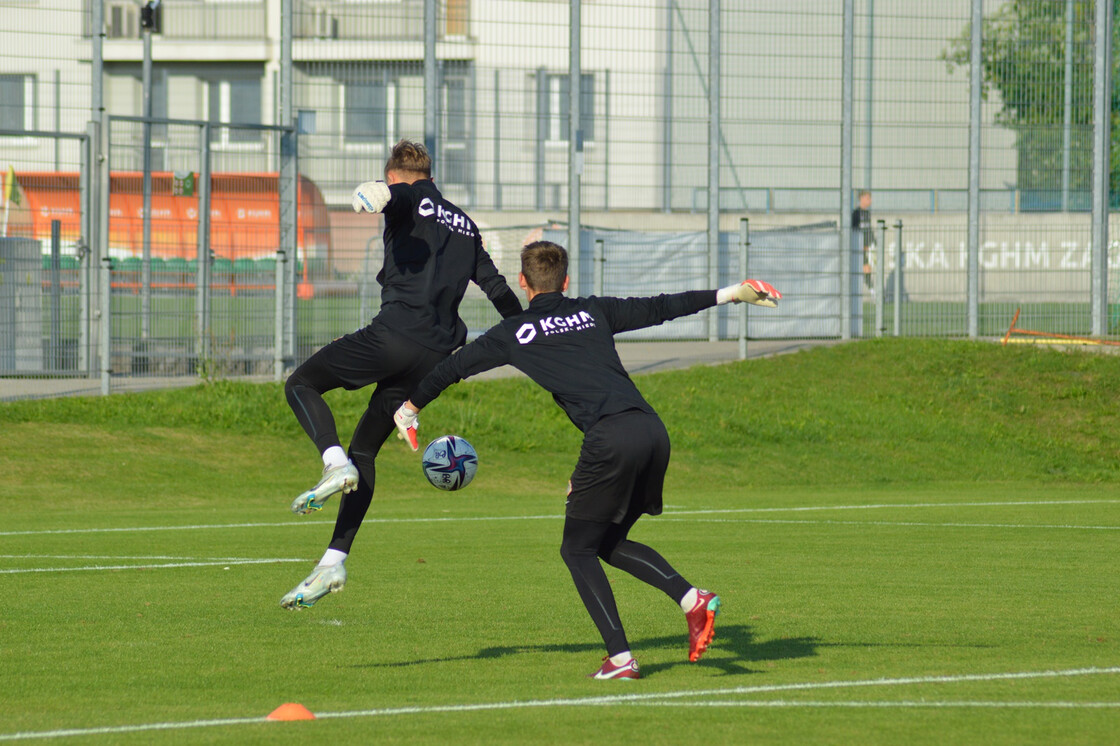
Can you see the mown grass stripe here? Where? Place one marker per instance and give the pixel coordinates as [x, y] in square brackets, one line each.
[605, 700]
[456, 519]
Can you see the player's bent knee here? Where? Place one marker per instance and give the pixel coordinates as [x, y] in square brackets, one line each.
[574, 554]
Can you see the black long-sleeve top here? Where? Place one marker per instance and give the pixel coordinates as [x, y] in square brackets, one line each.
[567, 346]
[432, 250]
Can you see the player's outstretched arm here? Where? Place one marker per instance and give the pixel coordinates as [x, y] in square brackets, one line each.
[487, 277]
[750, 291]
[484, 353]
[371, 196]
[407, 423]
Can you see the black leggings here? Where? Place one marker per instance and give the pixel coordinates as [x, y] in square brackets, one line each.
[586, 542]
[374, 354]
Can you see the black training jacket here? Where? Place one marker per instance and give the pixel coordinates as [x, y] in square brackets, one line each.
[567, 346]
[432, 250]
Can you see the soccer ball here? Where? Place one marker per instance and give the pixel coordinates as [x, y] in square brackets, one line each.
[450, 463]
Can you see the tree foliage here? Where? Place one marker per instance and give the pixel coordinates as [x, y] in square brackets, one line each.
[1023, 55]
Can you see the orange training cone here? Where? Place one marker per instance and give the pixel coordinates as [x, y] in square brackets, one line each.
[291, 711]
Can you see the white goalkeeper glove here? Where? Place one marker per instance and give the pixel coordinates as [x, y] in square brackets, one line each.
[371, 196]
[406, 421]
[749, 291]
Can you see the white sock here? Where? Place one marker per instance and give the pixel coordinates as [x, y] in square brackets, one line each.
[689, 600]
[332, 557]
[621, 659]
[334, 456]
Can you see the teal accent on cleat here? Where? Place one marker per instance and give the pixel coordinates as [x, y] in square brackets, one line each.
[320, 582]
[335, 480]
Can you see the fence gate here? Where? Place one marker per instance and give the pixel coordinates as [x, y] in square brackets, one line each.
[202, 286]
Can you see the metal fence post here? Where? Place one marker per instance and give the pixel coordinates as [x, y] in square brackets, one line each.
[1102, 88]
[202, 290]
[99, 202]
[54, 346]
[497, 146]
[99, 255]
[713, 158]
[880, 278]
[847, 73]
[106, 322]
[288, 190]
[600, 266]
[744, 243]
[975, 61]
[288, 187]
[431, 81]
[278, 322]
[667, 115]
[85, 249]
[1067, 105]
[575, 142]
[146, 246]
[898, 281]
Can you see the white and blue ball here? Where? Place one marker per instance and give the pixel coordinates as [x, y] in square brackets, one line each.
[450, 463]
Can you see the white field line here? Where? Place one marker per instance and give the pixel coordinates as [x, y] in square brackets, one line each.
[778, 703]
[557, 516]
[890, 523]
[121, 557]
[880, 506]
[605, 700]
[162, 566]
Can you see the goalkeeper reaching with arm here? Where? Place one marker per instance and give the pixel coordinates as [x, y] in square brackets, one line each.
[567, 346]
[432, 251]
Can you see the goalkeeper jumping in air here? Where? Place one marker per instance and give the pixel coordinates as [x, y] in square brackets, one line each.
[432, 251]
[567, 346]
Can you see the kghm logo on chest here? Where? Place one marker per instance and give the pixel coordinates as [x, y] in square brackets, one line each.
[549, 325]
[453, 220]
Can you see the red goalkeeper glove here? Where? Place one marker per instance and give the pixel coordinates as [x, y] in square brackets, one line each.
[750, 291]
[406, 421]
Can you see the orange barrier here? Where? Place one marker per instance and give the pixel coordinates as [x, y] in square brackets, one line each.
[244, 214]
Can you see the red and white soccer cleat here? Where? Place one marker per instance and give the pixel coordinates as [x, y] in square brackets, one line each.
[608, 670]
[701, 623]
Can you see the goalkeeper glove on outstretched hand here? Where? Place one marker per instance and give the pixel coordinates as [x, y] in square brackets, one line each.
[371, 196]
[406, 421]
[750, 291]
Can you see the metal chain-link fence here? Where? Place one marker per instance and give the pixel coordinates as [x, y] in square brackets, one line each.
[903, 169]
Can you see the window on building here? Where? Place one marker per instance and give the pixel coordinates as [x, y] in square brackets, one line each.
[369, 111]
[454, 164]
[234, 100]
[455, 108]
[17, 102]
[556, 103]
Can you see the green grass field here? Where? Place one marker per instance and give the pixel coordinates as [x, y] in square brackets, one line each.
[915, 542]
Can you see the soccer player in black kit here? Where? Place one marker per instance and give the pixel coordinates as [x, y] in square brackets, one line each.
[432, 251]
[567, 346]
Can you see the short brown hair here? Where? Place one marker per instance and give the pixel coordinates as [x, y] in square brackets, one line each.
[544, 265]
[409, 156]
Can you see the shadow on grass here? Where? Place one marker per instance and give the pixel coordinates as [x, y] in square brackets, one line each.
[732, 651]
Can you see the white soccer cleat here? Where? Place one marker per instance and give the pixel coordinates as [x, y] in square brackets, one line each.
[320, 582]
[335, 480]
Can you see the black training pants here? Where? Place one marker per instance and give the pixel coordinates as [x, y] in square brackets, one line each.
[374, 354]
[619, 477]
